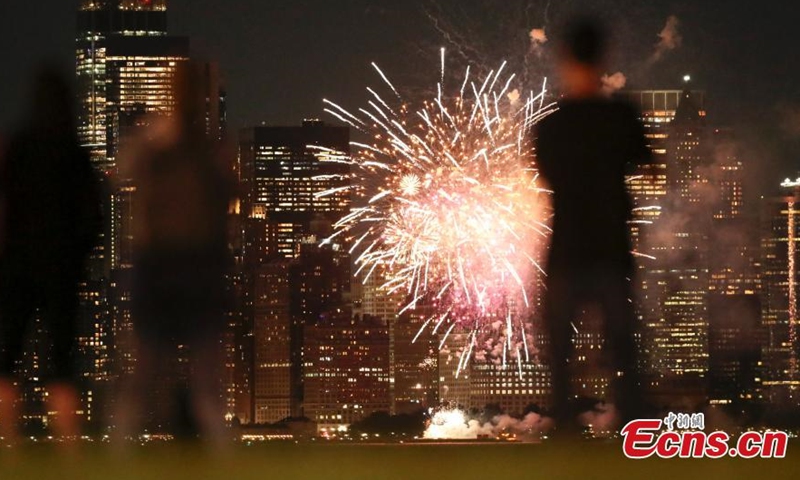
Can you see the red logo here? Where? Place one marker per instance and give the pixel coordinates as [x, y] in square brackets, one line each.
[645, 438]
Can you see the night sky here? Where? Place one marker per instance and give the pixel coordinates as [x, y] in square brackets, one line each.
[280, 58]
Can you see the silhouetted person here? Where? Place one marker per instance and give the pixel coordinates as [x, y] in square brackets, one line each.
[50, 220]
[180, 209]
[583, 151]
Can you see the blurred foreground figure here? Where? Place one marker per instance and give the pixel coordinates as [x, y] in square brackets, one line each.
[50, 218]
[179, 249]
[583, 150]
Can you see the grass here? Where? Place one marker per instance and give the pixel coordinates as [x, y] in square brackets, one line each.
[333, 461]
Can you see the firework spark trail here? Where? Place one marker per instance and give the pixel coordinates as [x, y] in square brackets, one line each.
[451, 209]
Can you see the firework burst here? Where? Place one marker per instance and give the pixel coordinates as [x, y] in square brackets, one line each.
[450, 212]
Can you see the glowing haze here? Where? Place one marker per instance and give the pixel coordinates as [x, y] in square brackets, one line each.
[452, 423]
[450, 212]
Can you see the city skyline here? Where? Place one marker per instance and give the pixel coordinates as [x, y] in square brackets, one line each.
[305, 337]
[382, 239]
[280, 75]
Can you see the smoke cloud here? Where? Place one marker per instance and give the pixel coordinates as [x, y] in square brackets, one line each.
[670, 39]
[538, 38]
[613, 83]
[604, 418]
[456, 425]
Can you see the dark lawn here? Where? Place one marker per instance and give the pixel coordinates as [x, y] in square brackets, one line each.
[379, 462]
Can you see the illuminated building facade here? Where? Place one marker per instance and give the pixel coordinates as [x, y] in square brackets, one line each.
[492, 384]
[735, 335]
[697, 292]
[139, 76]
[282, 172]
[647, 184]
[320, 283]
[415, 356]
[272, 386]
[347, 370]
[676, 283]
[99, 21]
[238, 348]
[482, 381]
[123, 58]
[291, 296]
[780, 244]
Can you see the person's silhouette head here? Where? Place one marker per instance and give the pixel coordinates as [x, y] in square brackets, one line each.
[582, 52]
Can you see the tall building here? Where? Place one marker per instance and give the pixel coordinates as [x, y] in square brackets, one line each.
[115, 85]
[676, 322]
[697, 291]
[347, 370]
[98, 22]
[139, 72]
[319, 293]
[293, 189]
[697, 286]
[415, 356]
[734, 306]
[290, 297]
[126, 62]
[780, 246]
[272, 372]
[238, 348]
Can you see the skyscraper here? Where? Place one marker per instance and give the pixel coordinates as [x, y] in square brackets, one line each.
[126, 62]
[669, 230]
[272, 372]
[99, 21]
[780, 245]
[347, 370]
[123, 64]
[284, 173]
[291, 296]
[677, 335]
[734, 307]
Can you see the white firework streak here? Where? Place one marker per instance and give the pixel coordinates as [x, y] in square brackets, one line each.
[450, 204]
